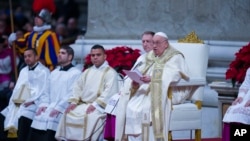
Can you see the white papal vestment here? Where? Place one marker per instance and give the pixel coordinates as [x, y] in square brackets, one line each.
[37, 82]
[94, 87]
[149, 105]
[239, 113]
[61, 85]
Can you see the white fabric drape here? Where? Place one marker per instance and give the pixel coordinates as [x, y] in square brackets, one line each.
[61, 85]
[240, 113]
[37, 81]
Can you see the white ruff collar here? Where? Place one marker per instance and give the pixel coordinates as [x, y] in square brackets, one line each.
[41, 28]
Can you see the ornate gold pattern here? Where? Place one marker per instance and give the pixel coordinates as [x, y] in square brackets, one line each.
[191, 38]
[102, 80]
[156, 96]
[198, 104]
[101, 103]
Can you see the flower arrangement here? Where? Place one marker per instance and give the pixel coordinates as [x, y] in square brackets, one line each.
[120, 58]
[238, 67]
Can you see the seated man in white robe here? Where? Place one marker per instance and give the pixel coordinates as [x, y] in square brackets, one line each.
[84, 118]
[32, 83]
[61, 82]
[237, 115]
[146, 106]
[109, 131]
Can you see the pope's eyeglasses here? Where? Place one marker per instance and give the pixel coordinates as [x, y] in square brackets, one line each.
[158, 42]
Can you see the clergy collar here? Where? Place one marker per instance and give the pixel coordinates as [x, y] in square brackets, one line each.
[66, 68]
[33, 67]
[103, 65]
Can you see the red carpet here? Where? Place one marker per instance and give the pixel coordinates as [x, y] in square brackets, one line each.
[209, 139]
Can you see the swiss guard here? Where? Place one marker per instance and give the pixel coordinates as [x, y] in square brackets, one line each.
[42, 37]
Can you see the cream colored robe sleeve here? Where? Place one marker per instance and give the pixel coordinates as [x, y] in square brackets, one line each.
[109, 88]
[77, 89]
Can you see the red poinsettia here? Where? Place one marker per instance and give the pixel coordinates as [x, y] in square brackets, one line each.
[120, 58]
[238, 67]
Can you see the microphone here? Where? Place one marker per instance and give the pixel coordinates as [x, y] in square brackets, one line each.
[138, 65]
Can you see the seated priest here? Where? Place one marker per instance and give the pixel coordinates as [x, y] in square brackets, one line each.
[146, 106]
[83, 117]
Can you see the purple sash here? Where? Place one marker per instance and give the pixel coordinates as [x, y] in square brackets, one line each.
[109, 129]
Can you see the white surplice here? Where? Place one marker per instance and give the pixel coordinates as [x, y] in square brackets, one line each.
[94, 87]
[135, 110]
[61, 85]
[239, 113]
[37, 81]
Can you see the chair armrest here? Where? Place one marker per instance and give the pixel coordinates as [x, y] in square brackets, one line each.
[191, 82]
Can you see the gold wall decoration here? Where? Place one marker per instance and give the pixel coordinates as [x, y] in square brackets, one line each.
[191, 38]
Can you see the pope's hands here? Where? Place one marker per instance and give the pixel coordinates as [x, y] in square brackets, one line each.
[146, 78]
[12, 38]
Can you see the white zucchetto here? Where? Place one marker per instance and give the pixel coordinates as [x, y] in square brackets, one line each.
[162, 34]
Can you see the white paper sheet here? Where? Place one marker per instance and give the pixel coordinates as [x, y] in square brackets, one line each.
[135, 75]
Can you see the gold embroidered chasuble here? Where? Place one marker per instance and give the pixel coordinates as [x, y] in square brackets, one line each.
[169, 67]
[156, 90]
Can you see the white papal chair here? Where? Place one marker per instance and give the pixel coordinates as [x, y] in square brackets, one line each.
[188, 115]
